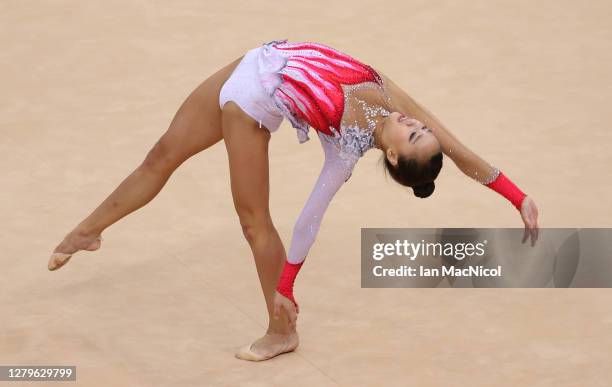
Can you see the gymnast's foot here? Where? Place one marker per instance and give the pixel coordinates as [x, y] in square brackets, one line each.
[269, 346]
[73, 242]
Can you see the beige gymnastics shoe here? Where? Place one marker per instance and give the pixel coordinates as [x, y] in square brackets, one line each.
[58, 260]
[289, 344]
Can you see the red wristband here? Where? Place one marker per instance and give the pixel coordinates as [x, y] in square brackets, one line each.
[285, 283]
[507, 189]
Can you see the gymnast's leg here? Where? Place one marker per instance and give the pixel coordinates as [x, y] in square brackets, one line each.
[195, 127]
[247, 148]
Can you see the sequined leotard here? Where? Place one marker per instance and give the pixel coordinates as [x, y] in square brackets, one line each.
[316, 86]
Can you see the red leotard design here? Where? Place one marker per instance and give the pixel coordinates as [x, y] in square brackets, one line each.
[312, 80]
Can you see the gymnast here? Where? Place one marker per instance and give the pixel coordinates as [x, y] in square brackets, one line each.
[351, 106]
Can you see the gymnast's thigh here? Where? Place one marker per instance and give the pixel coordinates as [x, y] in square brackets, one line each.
[247, 149]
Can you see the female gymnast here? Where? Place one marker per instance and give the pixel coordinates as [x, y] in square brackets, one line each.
[351, 106]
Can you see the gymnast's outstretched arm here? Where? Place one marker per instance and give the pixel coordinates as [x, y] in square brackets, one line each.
[469, 162]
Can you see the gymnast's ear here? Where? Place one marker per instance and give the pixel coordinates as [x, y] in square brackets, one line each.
[391, 156]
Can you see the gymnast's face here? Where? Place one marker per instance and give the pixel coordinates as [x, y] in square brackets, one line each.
[402, 135]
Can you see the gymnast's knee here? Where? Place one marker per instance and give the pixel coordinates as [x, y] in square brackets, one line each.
[256, 228]
[161, 158]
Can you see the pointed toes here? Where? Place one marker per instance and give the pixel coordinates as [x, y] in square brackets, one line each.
[58, 260]
[246, 353]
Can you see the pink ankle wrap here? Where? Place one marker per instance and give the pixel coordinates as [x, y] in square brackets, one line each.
[285, 283]
[507, 189]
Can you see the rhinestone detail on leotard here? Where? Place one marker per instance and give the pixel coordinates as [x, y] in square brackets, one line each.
[491, 178]
[355, 139]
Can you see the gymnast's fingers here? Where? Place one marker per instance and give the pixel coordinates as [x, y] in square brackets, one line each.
[292, 317]
[276, 310]
[533, 232]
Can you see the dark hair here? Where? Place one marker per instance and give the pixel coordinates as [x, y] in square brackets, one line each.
[420, 177]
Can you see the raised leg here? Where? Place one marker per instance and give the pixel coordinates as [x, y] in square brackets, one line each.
[195, 127]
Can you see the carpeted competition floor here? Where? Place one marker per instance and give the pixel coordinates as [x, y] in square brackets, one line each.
[88, 87]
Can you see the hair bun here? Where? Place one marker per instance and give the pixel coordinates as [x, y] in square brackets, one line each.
[424, 190]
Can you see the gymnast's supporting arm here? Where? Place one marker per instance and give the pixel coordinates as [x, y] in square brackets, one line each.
[334, 173]
[470, 163]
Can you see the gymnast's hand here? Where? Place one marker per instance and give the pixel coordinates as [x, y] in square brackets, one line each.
[282, 302]
[529, 213]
